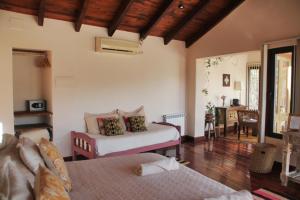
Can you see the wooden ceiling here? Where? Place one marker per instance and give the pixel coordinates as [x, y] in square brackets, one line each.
[161, 18]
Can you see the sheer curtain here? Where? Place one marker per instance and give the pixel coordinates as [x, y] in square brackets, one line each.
[253, 85]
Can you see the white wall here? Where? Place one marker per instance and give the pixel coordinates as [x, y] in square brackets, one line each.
[86, 81]
[233, 64]
[27, 80]
[245, 29]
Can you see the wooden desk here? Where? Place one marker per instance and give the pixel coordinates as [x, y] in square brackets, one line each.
[227, 116]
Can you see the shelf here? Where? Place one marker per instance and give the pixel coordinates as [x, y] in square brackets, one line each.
[28, 113]
[25, 127]
[31, 126]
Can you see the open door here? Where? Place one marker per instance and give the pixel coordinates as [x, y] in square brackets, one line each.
[280, 89]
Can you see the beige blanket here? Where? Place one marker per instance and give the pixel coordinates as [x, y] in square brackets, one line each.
[114, 179]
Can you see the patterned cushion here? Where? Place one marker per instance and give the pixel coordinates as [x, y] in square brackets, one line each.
[100, 122]
[127, 123]
[48, 186]
[137, 123]
[124, 115]
[55, 162]
[112, 126]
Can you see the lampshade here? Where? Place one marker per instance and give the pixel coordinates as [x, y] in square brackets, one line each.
[237, 85]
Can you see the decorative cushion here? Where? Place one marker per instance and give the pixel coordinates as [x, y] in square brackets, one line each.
[12, 151]
[100, 122]
[127, 123]
[112, 126]
[124, 116]
[30, 155]
[137, 123]
[48, 186]
[91, 121]
[13, 184]
[55, 162]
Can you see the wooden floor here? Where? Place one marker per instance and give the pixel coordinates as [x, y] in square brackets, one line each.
[243, 138]
[227, 162]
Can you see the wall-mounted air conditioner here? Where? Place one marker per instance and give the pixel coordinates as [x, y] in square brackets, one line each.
[117, 46]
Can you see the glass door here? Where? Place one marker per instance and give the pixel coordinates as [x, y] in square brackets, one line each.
[280, 89]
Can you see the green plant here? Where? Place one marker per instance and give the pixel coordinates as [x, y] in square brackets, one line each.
[210, 108]
[205, 91]
[213, 61]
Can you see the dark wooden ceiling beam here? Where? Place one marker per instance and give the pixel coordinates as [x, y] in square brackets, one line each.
[212, 23]
[41, 12]
[81, 16]
[158, 16]
[173, 32]
[124, 7]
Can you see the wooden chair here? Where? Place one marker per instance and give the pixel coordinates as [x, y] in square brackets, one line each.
[247, 119]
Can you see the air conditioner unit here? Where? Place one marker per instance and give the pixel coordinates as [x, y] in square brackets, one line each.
[117, 46]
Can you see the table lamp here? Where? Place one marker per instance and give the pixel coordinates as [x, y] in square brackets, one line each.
[238, 87]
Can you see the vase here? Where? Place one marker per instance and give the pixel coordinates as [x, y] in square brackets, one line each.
[209, 117]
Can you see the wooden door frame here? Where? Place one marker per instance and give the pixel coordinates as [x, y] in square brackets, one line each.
[270, 88]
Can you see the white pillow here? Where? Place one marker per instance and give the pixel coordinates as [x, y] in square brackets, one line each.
[35, 135]
[137, 112]
[30, 154]
[91, 120]
[13, 184]
[243, 194]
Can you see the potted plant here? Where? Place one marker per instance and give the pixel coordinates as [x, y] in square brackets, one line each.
[210, 110]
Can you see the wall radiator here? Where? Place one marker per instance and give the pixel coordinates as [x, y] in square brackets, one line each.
[176, 119]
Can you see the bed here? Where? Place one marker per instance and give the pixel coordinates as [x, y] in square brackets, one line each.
[158, 136]
[113, 178]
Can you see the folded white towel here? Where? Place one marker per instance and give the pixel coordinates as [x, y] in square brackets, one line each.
[159, 166]
[240, 195]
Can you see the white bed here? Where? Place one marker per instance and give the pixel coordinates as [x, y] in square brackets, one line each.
[155, 134]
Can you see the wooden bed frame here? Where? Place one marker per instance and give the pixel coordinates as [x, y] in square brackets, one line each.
[84, 145]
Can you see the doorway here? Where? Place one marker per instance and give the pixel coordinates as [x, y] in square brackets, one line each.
[280, 89]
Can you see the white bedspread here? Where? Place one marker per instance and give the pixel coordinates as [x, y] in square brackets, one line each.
[113, 178]
[156, 134]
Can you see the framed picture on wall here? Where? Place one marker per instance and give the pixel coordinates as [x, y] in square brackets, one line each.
[226, 80]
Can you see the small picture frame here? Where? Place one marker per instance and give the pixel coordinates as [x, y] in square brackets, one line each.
[226, 80]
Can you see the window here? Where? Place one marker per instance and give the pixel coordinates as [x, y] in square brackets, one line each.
[253, 85]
